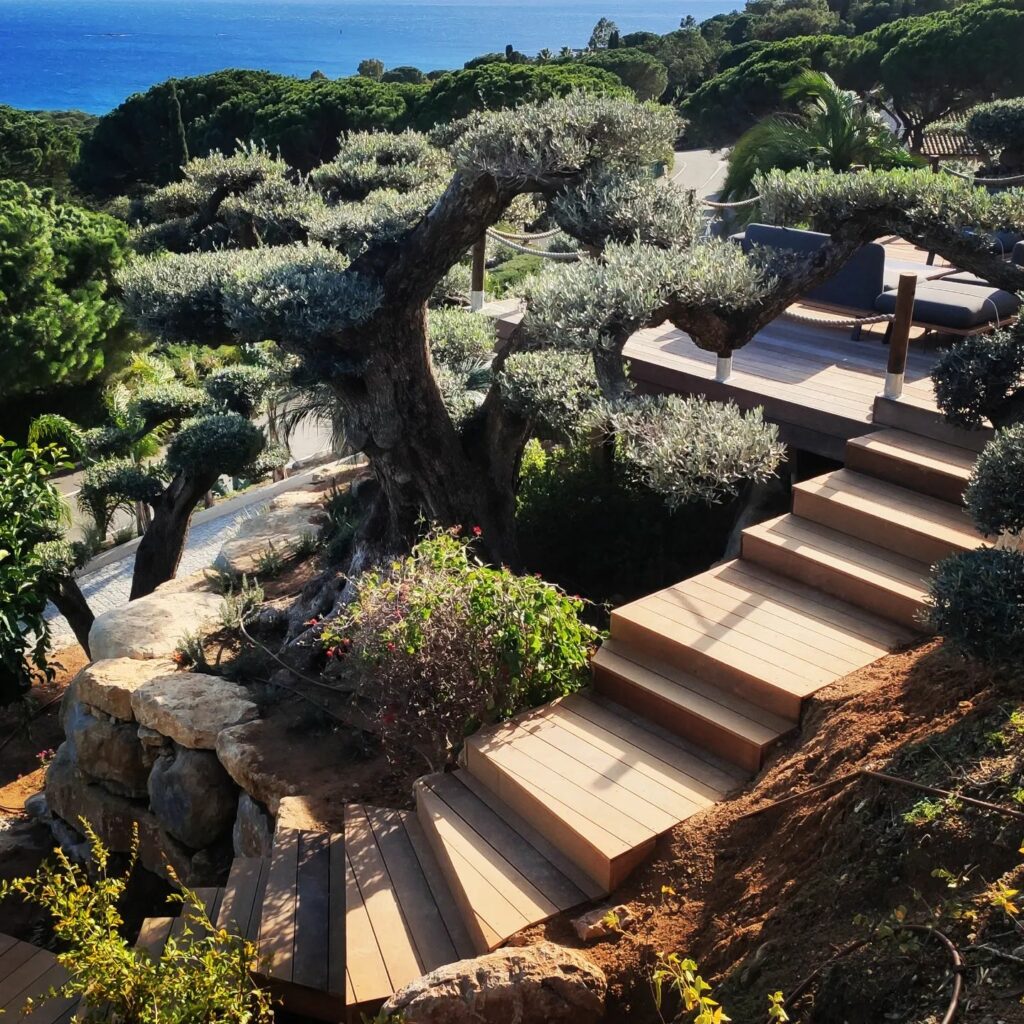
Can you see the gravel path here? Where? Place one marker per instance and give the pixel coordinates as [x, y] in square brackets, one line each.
[108, 587]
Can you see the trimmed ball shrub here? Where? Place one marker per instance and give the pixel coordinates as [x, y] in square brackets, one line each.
[995, 495]
[978, 604]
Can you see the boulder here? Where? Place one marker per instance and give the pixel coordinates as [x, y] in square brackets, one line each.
[192, 709]
[287, 519]
[72, 798]
[105, 749]
[253, 831]
[542, 984]
[202, 580]
[153, 626]
[109, 685]
[192, 797]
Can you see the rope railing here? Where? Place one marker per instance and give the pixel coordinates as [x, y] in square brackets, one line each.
[567, 257]
[854, 321]
[731, 206]
[1014, 179]
[514, 237]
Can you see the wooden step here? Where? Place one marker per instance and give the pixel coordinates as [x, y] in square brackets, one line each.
[746, 632]
[29, 972]
[885, 583]
[503, 875]
[401, 920]
[894, 518]
[705, 714]
[597, 787]
[913, 461]
[914, 417]
[242, 901]
[302, 905]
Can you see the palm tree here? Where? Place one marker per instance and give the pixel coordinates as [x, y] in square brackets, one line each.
[832, 129]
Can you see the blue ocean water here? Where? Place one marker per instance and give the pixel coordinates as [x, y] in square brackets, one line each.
[91, 54]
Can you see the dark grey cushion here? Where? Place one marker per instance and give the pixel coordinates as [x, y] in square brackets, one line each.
[855, 286]
[1018, 254]
[957, 306]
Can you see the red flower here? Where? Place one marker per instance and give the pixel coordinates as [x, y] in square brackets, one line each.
[312, 622]
[477, 531]
[331, 651]
[391, 647]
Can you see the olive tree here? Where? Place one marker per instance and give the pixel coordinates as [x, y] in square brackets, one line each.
[340, 270]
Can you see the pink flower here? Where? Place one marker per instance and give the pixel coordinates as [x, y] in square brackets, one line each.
[477, 531]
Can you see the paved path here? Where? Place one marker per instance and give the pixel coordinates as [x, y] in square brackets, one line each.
[703, 170]
[108, 587]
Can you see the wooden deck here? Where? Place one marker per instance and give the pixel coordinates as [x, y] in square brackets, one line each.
[817, 384]
[28, 972]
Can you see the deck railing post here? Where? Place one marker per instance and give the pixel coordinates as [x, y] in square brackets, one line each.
[723, 368]
[476, 286]
[899, 338]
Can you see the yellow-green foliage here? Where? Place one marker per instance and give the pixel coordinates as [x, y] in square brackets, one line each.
[200, 978]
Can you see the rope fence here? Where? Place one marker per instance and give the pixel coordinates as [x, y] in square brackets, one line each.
[1015, 179]
[819, 321]
[512, 236]
[566, 257]
[731, 206]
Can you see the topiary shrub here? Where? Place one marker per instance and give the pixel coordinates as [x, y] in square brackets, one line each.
[999, 128]
[440, 644]
[977, 604]
[461, 339]
[225, 443]
[238, 389]
[995, 495]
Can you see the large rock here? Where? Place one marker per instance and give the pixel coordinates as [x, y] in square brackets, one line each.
[109, 685]
[282, 526]
[192, 709]
[542, 984]
[192, 797]
[74, 799]
[106, 749]
[153, 626]
[253, 832]
[282, 756]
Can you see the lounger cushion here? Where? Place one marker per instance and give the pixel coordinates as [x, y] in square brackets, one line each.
[1018, 254]
[956, 306]
[854, 286]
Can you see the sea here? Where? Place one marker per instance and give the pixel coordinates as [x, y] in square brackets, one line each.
[91, 54]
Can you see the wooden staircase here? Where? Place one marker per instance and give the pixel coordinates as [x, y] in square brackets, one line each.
[555, 807]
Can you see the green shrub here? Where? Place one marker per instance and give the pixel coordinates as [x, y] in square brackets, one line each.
[200, 978]
[553, 388]
[461, 339]
[999, 127]
[597, 533]
[977, 604]
[440, 644]
[994, 496]
[508, 276]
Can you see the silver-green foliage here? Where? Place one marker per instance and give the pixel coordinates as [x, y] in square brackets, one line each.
[995, 494]
[459, 338]
[690, 449]
[554, 389]
[224, 443]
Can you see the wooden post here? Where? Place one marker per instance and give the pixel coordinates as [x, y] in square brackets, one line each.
[899, 338]
[476, 286]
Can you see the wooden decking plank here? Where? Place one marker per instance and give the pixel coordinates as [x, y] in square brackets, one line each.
[187, 919]
[921, 451]
[239, 895]
[447, 907]
[672, 805]
[18, 984]
[902, 574]
[575, 807]
[430, 937]
[337, 957]
[6, 942]
[543, 877]
[873, 630]
[312, 905]
[494, 907]
[773, 610]
[367, 974]
[379, 898]
[539, 842]
[733, 652]
[277, 923]
[153, 935]
[13, 958]
[668, 749]
[745, 632]
[689, 780]
[50, 1010]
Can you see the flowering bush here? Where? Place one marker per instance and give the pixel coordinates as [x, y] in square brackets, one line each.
[440, 644]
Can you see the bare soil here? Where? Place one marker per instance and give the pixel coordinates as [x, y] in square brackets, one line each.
[760, 902]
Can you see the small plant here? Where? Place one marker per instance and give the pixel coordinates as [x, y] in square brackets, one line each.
[679, 975]
[928, 810]
[239, 607]
[190, 653]
[270, 563]
[45, 758]
[306, 546]
[200, 978]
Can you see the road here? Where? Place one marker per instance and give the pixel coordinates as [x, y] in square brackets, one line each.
[702, 170]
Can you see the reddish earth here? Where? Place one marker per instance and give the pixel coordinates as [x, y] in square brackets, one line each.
[760, 902]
